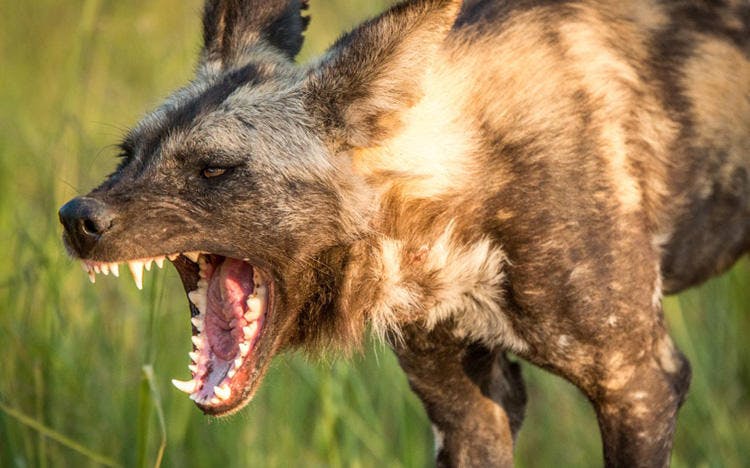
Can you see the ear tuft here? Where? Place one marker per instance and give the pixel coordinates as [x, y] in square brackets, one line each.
[374, 73]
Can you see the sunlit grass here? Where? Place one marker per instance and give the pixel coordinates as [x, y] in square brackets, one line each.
[85, 370]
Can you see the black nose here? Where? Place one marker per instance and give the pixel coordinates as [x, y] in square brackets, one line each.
[85, 220]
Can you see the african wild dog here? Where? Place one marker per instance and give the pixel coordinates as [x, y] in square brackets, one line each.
[470, 179]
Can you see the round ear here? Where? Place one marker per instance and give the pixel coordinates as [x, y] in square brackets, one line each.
[236, 29]
[375, 72]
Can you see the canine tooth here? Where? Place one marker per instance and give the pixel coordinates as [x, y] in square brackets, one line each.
[193, 356]
[159, 262]
[147, 264]
[115, 269]
[136, 269]
[223, 392]
[187, 387]
[244, 349]
[197, 341]
[192, 256]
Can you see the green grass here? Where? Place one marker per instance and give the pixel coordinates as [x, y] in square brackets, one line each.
[85, 370]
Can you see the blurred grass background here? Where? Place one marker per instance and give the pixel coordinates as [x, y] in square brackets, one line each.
[84, 376]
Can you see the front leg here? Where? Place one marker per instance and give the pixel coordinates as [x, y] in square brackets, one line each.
[474, 396]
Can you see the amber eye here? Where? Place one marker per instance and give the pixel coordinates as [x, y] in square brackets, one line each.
[211, 172]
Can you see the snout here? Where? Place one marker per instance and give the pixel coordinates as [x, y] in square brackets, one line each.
[85, 221]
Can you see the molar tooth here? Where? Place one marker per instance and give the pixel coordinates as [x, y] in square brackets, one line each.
[232, 372]
[159, 261]
[193, 368]
[136, 269]
[147, 263]
[192, 256]
[249, 331]
[244, 349]
[197, 341]
[193, 356]
[223, 392]
[187, 387]
[115, 269]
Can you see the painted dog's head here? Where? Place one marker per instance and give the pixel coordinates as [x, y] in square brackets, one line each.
[243, 180]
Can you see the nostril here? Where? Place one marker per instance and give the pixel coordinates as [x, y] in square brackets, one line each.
[89, 227]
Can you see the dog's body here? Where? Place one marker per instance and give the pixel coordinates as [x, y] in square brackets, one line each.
[522, 176]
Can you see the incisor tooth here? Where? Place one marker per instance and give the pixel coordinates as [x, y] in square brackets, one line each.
[136, 269]
[187, 387]
[223, 392]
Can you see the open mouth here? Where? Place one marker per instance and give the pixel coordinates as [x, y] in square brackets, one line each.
[229, 303]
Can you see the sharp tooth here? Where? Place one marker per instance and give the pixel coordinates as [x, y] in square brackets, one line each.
[197, 323]
[237, 362]
[136, 269]
[215, 401]
[173, 257]
[194, 397]
[244, 349]
[187, 387]
[232, 372]
[92, 276]
[147, 263]
[115, 269]
[249, 331]
[159, 262]
[193, 356]
[193, 368]
[223, 392]
[97, 269]
[197, 341]
[233, 323]
[85, 266]
[254, 304]
[104, 268]
[192, 256]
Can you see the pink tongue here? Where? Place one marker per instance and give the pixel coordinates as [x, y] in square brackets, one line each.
[228, 289]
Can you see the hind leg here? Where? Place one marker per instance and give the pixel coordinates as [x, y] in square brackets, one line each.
[474, 396]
